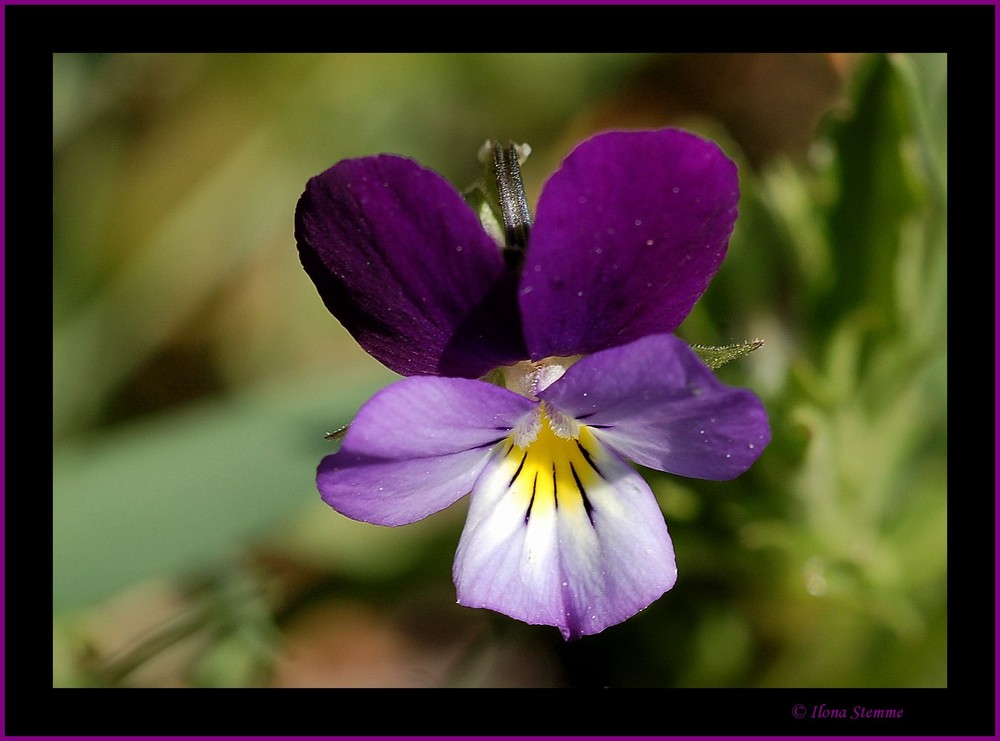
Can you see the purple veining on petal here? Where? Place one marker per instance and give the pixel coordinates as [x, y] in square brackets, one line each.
[631, 562]
[657, 404]
[627, 235]
[416, 447]
[579, 568]
[401, 260]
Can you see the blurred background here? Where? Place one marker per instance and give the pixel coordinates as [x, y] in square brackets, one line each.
[196, 372]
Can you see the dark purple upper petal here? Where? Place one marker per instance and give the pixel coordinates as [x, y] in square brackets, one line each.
[627, 235]
[416, 447]
[657, 404]
[405, 265]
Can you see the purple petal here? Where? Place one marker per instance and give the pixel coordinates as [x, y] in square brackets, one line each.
[656, 403]
[401, 260]
[416, 447]
[628, 233]
[581, 548]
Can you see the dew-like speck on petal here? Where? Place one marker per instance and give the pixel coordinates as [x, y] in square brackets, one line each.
[649, 242]
[676, 189]
[729, 455]
[565, 583]
[750, 445]
[579, 293]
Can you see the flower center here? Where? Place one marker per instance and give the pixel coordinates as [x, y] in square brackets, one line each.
[553, 469]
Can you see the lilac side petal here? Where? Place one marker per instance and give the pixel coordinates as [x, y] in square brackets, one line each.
[657, 404]
[401, 260]
[416, 447]
[577, 568]
[628, 233]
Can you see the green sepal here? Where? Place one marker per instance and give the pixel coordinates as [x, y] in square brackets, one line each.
[495, 377]
[337, 434]
[477, 197]
[716, 357]
[485, 198]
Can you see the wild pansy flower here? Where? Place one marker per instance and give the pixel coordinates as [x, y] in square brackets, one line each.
[537, 367]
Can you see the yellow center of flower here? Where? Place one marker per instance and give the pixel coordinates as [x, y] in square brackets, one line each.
[553, 471]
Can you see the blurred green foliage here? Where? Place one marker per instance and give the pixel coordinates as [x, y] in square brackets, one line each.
[196, 372]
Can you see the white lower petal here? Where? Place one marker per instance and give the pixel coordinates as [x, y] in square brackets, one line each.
[565, 533]
[502, 549]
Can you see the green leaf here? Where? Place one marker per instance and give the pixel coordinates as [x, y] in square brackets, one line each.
[924, 84]
[184, 490]
[877, 192]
